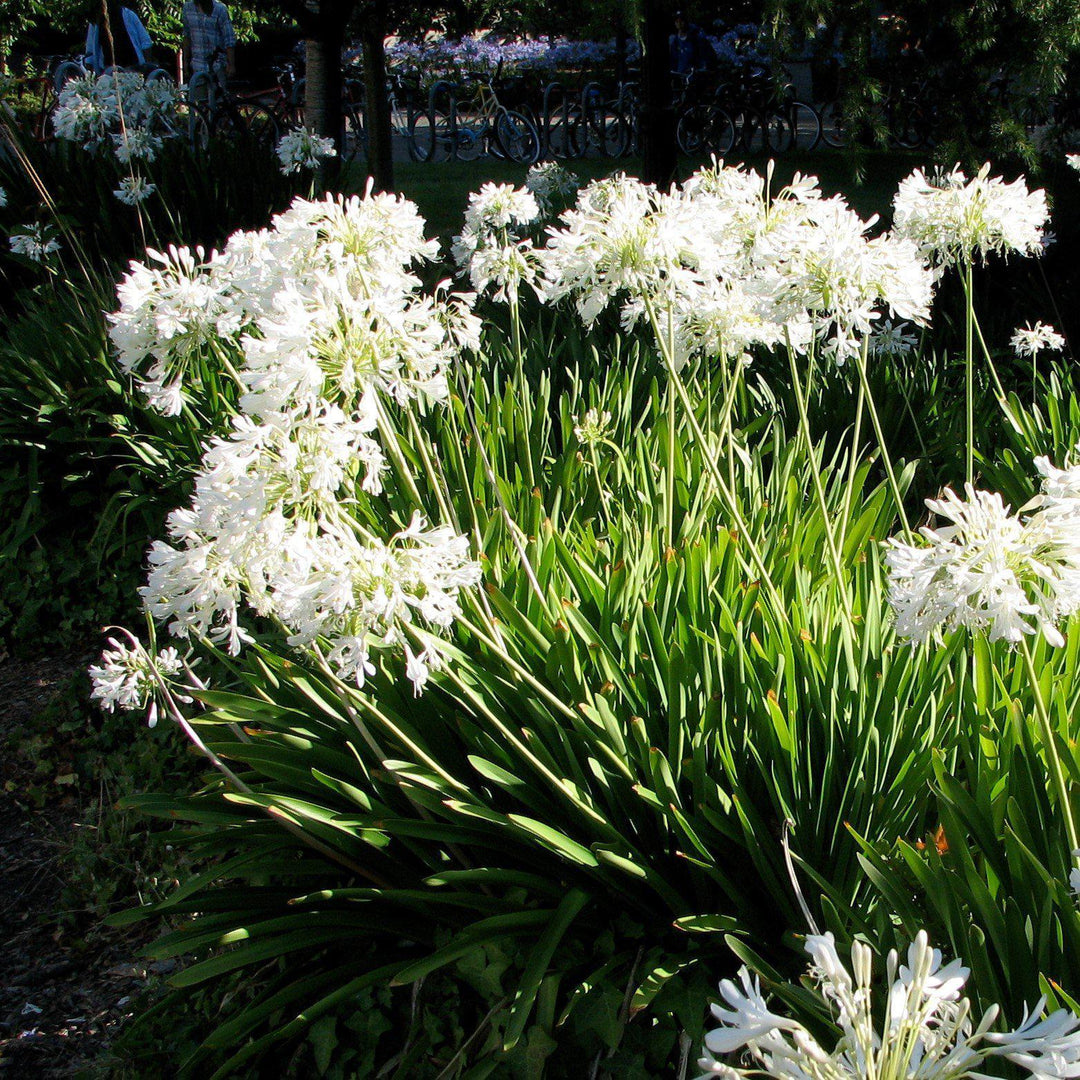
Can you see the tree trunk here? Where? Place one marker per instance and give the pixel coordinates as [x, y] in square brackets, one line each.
[658, 146]
[380, 137]
[322, 86]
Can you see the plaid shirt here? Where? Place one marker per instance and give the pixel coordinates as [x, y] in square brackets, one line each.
[209, 35]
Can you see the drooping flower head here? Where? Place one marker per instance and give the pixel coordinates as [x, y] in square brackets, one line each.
[36, 242]
[132, 679]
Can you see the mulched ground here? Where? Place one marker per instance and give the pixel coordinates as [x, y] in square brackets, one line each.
[66, 983]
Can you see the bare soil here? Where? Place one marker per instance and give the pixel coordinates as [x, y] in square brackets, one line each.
[67, 983]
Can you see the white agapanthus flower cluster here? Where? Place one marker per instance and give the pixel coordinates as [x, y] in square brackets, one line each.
[551, 184]
[955, 220]
[1029, 340]
[893, 339]
[302, 149]
[724, 266]
[121, 110]
[594, 427]
[131, 679]
[991, 570]
[927, 1031]
[489, 247]
[134, 190]
[35, 242]
[323, 324]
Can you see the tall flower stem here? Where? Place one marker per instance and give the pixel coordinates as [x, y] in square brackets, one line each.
[890, 472]
[853, 465]
[519, 367]
[819, 490]
[669, 472]
[969, 375]
[726, 493]
[1050, 746]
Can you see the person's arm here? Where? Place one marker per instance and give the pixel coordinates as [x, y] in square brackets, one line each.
[228, 39]
[92, 59]
[140, 39]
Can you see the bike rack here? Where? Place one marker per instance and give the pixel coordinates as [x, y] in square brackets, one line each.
[552, 90]
[442, 86]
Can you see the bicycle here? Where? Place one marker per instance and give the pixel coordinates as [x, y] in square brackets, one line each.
[216, 113]
[463, 129]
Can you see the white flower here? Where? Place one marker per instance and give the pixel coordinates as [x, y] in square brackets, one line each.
[36, 242]
[169, 312]
[324, 327]
[132, 679]
[120, 106]
[489, 249]
[1029, 340]
[953, 219]
[136, 144]
[988, 571]
[926, 1030]
[550, 183]
[594, 427]
[1073, 160]
[303, 149]
[892, 339]
[134, 190]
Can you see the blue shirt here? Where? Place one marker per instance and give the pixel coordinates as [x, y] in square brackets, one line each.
[140, 41]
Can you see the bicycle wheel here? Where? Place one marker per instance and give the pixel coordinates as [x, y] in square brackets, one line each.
[470, 130]
[720, 134]
[353, 133]
[805, 125]
[779, 134]
[566, 138]
[263, 128]
[606, 131]
[690, 130]
[64, 73]
[430, 136]
[833, 130]
[517, 138]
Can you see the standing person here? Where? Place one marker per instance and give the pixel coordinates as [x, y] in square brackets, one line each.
[209, 41]
[116, 37]
[687, 47]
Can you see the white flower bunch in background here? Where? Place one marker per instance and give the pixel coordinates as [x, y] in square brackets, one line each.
[892, 339]
[303, 149]
[324, 326]
[1029, 340]
[134, 190]
[490, 248]
[35, 242]
[1073, 161]
[120, 109]
[724, 266]
[992, 570]
[551, 184]
[927, 1030]
[954, 220]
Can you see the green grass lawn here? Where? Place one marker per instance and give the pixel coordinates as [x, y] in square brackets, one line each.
[868, 179]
